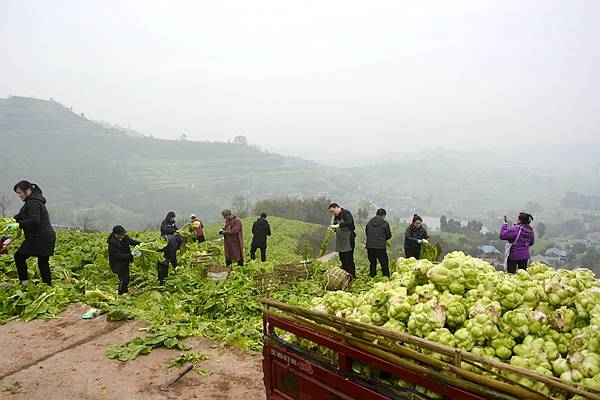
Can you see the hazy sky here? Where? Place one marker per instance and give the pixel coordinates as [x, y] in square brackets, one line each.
[329, 75]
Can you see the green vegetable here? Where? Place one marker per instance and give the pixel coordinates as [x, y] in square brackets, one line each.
[188, 357]
[430, 251]
[137, 346]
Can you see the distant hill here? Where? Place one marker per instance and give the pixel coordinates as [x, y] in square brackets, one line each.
[127, 131]
[34, 116]
[92, 172]
[98, 172]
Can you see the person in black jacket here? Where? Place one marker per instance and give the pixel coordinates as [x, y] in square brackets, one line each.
[168, 226]
[174, 243]
[415, 235]
[378, 233]
[119, 255]
[260, 231]
[40, 237]
[345, 237]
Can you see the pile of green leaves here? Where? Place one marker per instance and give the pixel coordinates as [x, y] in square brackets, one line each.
[185, 358]
[194, 359]
[31, 302]
[132, 349]
[189, 304]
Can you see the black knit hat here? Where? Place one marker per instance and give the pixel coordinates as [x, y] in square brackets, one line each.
[119, 230]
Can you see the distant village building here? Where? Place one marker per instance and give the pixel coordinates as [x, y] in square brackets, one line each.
[541, 259]
[573, 242]
[593, 238]
[556, 257]
[490, 254]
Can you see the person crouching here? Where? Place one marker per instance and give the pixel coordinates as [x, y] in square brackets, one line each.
[174, 243]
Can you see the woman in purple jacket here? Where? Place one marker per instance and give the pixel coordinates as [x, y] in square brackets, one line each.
[520, 238]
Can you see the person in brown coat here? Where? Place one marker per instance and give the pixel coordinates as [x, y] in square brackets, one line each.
[233, 238]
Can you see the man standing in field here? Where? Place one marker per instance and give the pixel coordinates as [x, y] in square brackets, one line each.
[260, 231]
[378, 233]
[345, 237]
[233, 239]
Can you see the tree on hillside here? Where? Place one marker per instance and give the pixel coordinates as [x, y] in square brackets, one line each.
[6, 200]
[240, 139]
[240, 206]
[450, 225]
[579, 248]
[541, 230]
[365, 207]
[86, 222]
[474, 226]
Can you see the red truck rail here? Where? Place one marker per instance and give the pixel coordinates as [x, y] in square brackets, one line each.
[292, 372]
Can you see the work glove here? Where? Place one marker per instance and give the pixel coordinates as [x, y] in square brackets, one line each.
[136, 253]
[334, 227]
[425, 241]
[419, 241]
[12, 227]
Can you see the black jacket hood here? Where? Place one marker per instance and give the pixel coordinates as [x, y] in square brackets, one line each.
[170, 216]
[377, 221]
[36, 195]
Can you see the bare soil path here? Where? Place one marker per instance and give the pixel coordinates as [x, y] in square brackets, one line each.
[65, 359]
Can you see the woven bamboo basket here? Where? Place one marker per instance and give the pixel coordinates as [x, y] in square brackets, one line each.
[266, 282]
[336, 278]
[217, 272]
[293, 272]
[202, 260]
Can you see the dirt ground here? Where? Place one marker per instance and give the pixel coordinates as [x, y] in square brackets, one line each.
[65, 359]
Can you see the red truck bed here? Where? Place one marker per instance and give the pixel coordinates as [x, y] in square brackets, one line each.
[291, 373]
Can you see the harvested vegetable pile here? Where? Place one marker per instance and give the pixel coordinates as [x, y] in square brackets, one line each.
[542, 319]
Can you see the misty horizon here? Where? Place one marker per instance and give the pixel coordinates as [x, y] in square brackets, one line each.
[398, 77]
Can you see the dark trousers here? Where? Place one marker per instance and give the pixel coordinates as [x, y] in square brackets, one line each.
[43, 265]
[239, 263]
[513, 265]
[263, 252]
[200, 239]
[412, 253]
[123, 274]
[162, 267]
[380, 255]
[347, 259]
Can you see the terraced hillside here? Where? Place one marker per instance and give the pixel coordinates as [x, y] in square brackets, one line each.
[112, 177]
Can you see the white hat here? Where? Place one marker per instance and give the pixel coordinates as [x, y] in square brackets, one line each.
[193, 216]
